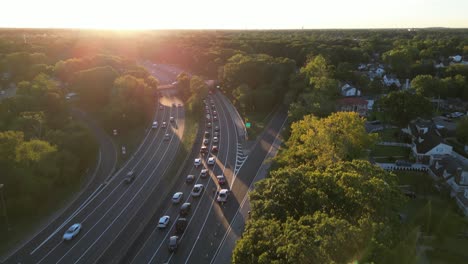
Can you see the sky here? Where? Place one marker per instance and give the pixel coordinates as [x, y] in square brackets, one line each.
[233, 14]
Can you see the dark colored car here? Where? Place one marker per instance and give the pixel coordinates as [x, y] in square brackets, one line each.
[221, 179]
[190, 179]
[180, 225]
[130, 177]
[207, 134]
[216, 128]
[173, 243]
[185, 209]
[403, 163]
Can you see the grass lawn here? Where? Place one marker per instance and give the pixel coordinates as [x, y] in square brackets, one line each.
[390, 151]
[389, 135]
[258, 121]
[437, 217]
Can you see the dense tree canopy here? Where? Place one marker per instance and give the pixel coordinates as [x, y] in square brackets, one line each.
[304, 215]
[402, 106]
[321, 142]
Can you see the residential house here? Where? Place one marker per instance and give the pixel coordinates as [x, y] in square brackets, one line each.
[352, 104]
[348, 90]
[455, 174]
[451, 170]
[391, 80]
[456, 58]
[375, 71]
[427, 141]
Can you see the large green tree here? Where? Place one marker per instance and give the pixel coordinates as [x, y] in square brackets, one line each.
[400, 107]
[321, 142]
[337, 215]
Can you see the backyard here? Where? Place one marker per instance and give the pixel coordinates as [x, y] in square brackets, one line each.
[434, 221]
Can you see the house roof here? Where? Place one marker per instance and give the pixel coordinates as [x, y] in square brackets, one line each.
[449, 164]
[426, 136]
[352, 101]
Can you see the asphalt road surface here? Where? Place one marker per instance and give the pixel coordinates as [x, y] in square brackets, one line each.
[111, 206]
[151, 245]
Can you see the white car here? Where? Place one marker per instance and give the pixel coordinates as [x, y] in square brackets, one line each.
[222, 196]
[72, 231]
[197, 190]
[215, 140]
[204, 173]
[164, 125]
[155, 124]
[197, 162]
[164, 221]
[211, 161]
[171, 119]
[177, 197]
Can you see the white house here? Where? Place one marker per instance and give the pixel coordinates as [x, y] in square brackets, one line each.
[348, 90]
[427, 141]
[389, 80]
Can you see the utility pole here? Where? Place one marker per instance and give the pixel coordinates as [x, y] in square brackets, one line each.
[4, 207]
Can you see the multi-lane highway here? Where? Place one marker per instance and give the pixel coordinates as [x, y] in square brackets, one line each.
[119, 220]
[108, 209]
[208, 220]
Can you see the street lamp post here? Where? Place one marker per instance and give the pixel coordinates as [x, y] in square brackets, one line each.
[4, 206]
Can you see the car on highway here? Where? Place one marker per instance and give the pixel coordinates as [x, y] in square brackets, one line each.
[180, 225]
[211, 161]
[207, 111]
[215, 118]
[164, 125]
[197, 190]
[207, 134]
[164, 221]
[185, 209]
[214, 149]
[171, 119]
[222, 195]
[197, 162]
[72, 231]
[130, 177]
[190, 179]
[173, 243]
[216, 134]
[215, 140]
[213, 106]
[221, 179]
[216, 128]
[155, 124]
[215, 113]
[204, 150]
[208, 125]
[204, 173]
[167, 137]
[177, 197]
[206, 141]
